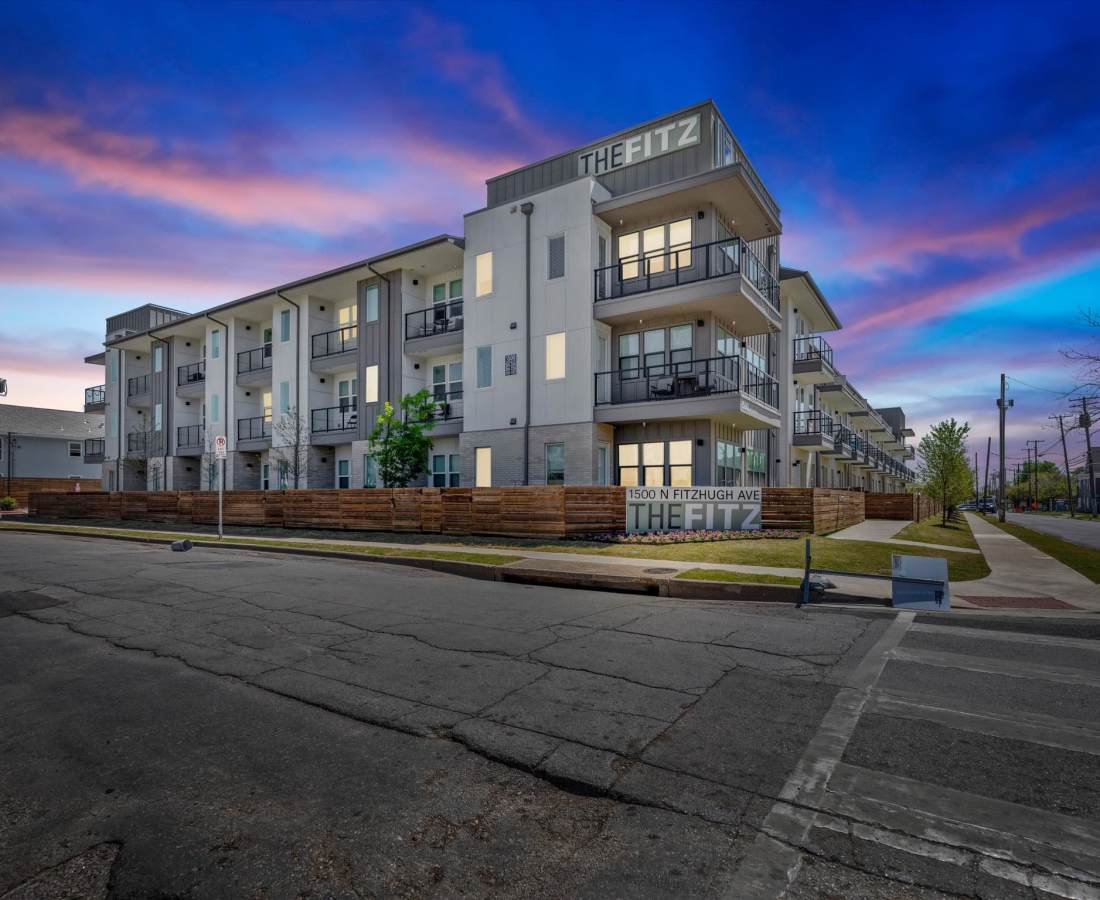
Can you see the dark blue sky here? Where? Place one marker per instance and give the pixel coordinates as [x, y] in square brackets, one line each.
[938, 165]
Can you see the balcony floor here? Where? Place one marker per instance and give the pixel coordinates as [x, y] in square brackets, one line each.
[735, 409]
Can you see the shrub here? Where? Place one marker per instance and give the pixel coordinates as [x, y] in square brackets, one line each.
[8, 503]
[687, 537]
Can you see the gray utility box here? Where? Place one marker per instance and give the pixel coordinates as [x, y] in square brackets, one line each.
[920, 582]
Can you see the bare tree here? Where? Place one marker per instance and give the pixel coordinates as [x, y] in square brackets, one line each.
[1088, 357]
[144, 448]
[211, 465]
[290, 447]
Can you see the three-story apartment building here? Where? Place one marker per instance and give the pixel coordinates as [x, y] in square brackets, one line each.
[616, 314]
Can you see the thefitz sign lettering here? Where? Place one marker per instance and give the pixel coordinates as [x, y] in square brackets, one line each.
[693, 508]
[640, 147]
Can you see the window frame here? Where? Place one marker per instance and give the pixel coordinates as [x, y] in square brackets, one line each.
[477, 367]
[372, 295]
[216, 344]
[284, 326]
[546, 463]
[479, 275]
[550, 276]
[79, 450]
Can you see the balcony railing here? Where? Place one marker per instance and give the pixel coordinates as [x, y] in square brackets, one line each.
[191, 373]
[329, 343]
[190, 436]
[334, 418]
[94, 447]
[254, 360]
[686, 265]
[95, 396]
[255, 428]
[440, 318]
[809, 348]
[137, 385]
[143, 443]
[682, 380]
[448, 406]
[813, 421]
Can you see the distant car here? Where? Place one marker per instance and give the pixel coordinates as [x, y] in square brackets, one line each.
[987, 506]
[969, 506]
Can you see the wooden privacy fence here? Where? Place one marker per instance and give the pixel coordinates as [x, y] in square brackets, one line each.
[22, 488]
[820, 510]
[900, 506]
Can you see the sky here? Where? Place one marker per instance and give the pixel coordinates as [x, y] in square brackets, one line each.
[937, 166]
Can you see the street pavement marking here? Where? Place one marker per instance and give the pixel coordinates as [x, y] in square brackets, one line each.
[1010, 834]
[990, 666]
[1034, 729]
[1018, 637]
[773, 861]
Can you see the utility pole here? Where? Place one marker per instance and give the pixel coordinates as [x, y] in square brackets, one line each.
[1086, 423]
[988, 447]
[1033, 479]
[1001, 407]
[1065, 459]
[976, 470]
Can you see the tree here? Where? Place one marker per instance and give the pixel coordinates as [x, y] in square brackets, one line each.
[1088, 357]
[144, 448]
[290, 448]
[400, 443]
[210, 466]
[945, 471]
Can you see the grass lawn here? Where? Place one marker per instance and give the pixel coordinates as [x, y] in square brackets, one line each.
[738, 577]
[1084, 559]
[956, 533]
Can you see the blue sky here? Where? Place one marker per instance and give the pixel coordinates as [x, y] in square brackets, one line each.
[938, 166]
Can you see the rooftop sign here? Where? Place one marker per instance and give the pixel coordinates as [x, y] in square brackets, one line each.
[639, 147]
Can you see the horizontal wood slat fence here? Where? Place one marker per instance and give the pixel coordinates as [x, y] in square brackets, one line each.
[549, 512]
[22, 488]
[900, 506]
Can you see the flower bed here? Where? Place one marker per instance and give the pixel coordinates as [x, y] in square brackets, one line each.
[687, 537]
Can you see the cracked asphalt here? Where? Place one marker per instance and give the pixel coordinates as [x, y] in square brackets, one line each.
[224, 723]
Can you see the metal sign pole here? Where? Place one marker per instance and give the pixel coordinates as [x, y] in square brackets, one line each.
[221, 493]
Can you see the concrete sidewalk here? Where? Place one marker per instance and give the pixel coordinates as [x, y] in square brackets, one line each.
[882, 531]
[1019, 570]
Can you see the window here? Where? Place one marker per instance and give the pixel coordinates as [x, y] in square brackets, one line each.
[215, 344]
[555, 263]
[348, 391]
[265, 477]
[653, 243]
[370, 471]
[484, 273]
[726, 343]
[284, 474]
[555, 463]
[284, 325]
[628, 355]
[679, 463]
[653, 462]
[267, 343]
[265, 399]
[628, 465]
[447, 381]
[112, 368]
[484, 367]
[343, 473]
[680, 347]
[215, 408]
[346, 318]
[370, 388]
[284, 397]
[455, 289]
[601, 464]
[114, 421]
[483, 467]
[158, 358]
[75, 449]
[158, 412]
[371, 303]
[727, 464]
[663, 247]
[654, 344]
[445, 470]
[555, 356]
[679, 244]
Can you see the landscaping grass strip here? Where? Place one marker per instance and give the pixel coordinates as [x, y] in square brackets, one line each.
[1083, 559]
[956, 533]
[738, 577]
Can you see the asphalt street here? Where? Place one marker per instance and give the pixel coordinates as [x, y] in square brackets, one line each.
[234, 724]
[1079, 530]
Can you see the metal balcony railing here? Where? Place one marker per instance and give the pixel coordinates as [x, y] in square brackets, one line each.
[448, 406]
[688, 379]
[685, 265]
[813, 421]
[440, 318]
[94, 447]
[329, 343]
[334, 418]
[255, 428]
[808, 348]
[190, 436]
[191, 373]
[254, 360]
[95, 396]
[143, 442]
[137, 385]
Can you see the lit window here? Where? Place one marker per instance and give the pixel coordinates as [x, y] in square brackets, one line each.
[346, 317]
[628, 255]
[555, 356]
[371, 311]
[679, 244]
[628, 465]
[679, 463]
[484, 367]
[370, 384]
[483, 462]
[555, 463]
[653, 461]
[484, 272]
[653, 241]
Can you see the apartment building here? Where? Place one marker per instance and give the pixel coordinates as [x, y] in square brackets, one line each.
[616, 314]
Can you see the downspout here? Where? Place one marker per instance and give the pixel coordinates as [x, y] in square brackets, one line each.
[167, 423]
[360, 417]
[297, 385]
[119, 417]
[225, 394]
[527, 209]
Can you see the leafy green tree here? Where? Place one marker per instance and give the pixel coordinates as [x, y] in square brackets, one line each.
[400, 443]
[945, 471]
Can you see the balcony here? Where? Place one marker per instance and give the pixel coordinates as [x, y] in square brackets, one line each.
[334, 420]
[447, 419]
[812, 361]
[254, 366]
[727, 388]
[813, 430]
[137, 390]
[191, 380]
[95, 398]
[843, 439]
[721, 276]
[143, 444]
[435, 329]
[93, 450]
[254, 429]
[337, 349]
[190, 437]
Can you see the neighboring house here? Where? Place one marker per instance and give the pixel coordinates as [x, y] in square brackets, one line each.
[50, 443]
[616, 314]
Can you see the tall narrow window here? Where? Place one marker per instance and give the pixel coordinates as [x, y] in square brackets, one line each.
[112, 368]
[265, 400]
[555, 263]
[628, 465]
[679, 463]
[346, 317]
[653, 461]
[653, 242]
[284, 325]
[158, 416]
[555, 356]
[628, 255]
[343, 473]
[158, 358]
[370, 384]
[483, 467]
[484, 272]
[555, 463]
[370, 314]
[680, 347]
[601, 464]
[370, 471]
[628, 355]
[654, 342]
[215, 344]
[215, 408]
[484, 367]
[284, 397]
[679, 243]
